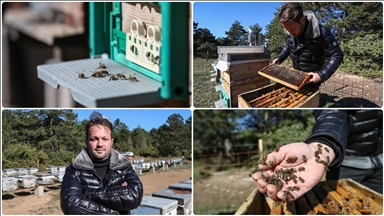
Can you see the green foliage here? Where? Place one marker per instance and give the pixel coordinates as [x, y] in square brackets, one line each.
[207, 50]
[364, 56]
[236, 34]
[244, 128]
[212, 127]
[357, 26]
[204, 41]
[45, 138]
[175, 136]
[21, 155]
[275, 37]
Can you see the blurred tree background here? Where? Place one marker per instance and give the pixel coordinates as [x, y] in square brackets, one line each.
[43, 138]
[243, 128]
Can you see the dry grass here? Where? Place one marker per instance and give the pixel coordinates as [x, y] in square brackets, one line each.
[204, 93]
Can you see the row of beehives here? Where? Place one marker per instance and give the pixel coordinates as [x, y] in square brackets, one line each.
[30, 171]
[12, 179]
[30, 181]
[174, 200]
[146, 166]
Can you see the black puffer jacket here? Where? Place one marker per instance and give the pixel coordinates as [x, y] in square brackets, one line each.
[308, 52]
[349, 132]
[83, 192]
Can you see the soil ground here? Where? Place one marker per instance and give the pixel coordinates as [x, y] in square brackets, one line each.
[25, 203]
[222, 193]
[344, 90]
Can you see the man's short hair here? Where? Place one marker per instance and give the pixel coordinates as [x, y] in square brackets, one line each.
[97, 119]
[290, 11]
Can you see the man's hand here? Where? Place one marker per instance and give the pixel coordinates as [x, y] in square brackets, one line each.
[124, 184]
[315, 78]
[309, 166]
[275, 61]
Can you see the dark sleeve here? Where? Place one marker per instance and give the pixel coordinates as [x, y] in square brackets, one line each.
[334, 54]
[120, 198]
[331, 128]
[284, 53]
[72, 199]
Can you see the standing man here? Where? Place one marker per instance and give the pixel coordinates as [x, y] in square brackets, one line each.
[308, 44]
[100, 180]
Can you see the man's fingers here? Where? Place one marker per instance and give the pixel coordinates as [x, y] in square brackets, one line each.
[262, 186]
[272, 192]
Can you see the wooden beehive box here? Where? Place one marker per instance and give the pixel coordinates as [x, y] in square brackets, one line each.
[344, 196]
[279, 96]
[242, 76]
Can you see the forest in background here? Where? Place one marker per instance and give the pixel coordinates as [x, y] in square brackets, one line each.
[42, 138]
[357, 26]
[245, 127]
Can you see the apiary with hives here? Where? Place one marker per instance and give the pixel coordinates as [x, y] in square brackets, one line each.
[238, 69]
[288, 92]
[340, 197]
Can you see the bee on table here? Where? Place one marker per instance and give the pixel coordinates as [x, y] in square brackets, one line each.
[81, 75]
[132, 78]
[121, 76]
[104, 72]
[101, 66]
[113, 77]
[98, 74]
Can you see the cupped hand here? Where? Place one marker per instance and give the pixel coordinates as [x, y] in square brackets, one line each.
[312, 170]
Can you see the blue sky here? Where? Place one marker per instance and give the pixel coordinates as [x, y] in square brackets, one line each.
[219, 16]
[146, 118]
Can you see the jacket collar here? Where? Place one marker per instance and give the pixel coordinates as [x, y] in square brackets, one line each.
[313, 29]
[84, 162]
